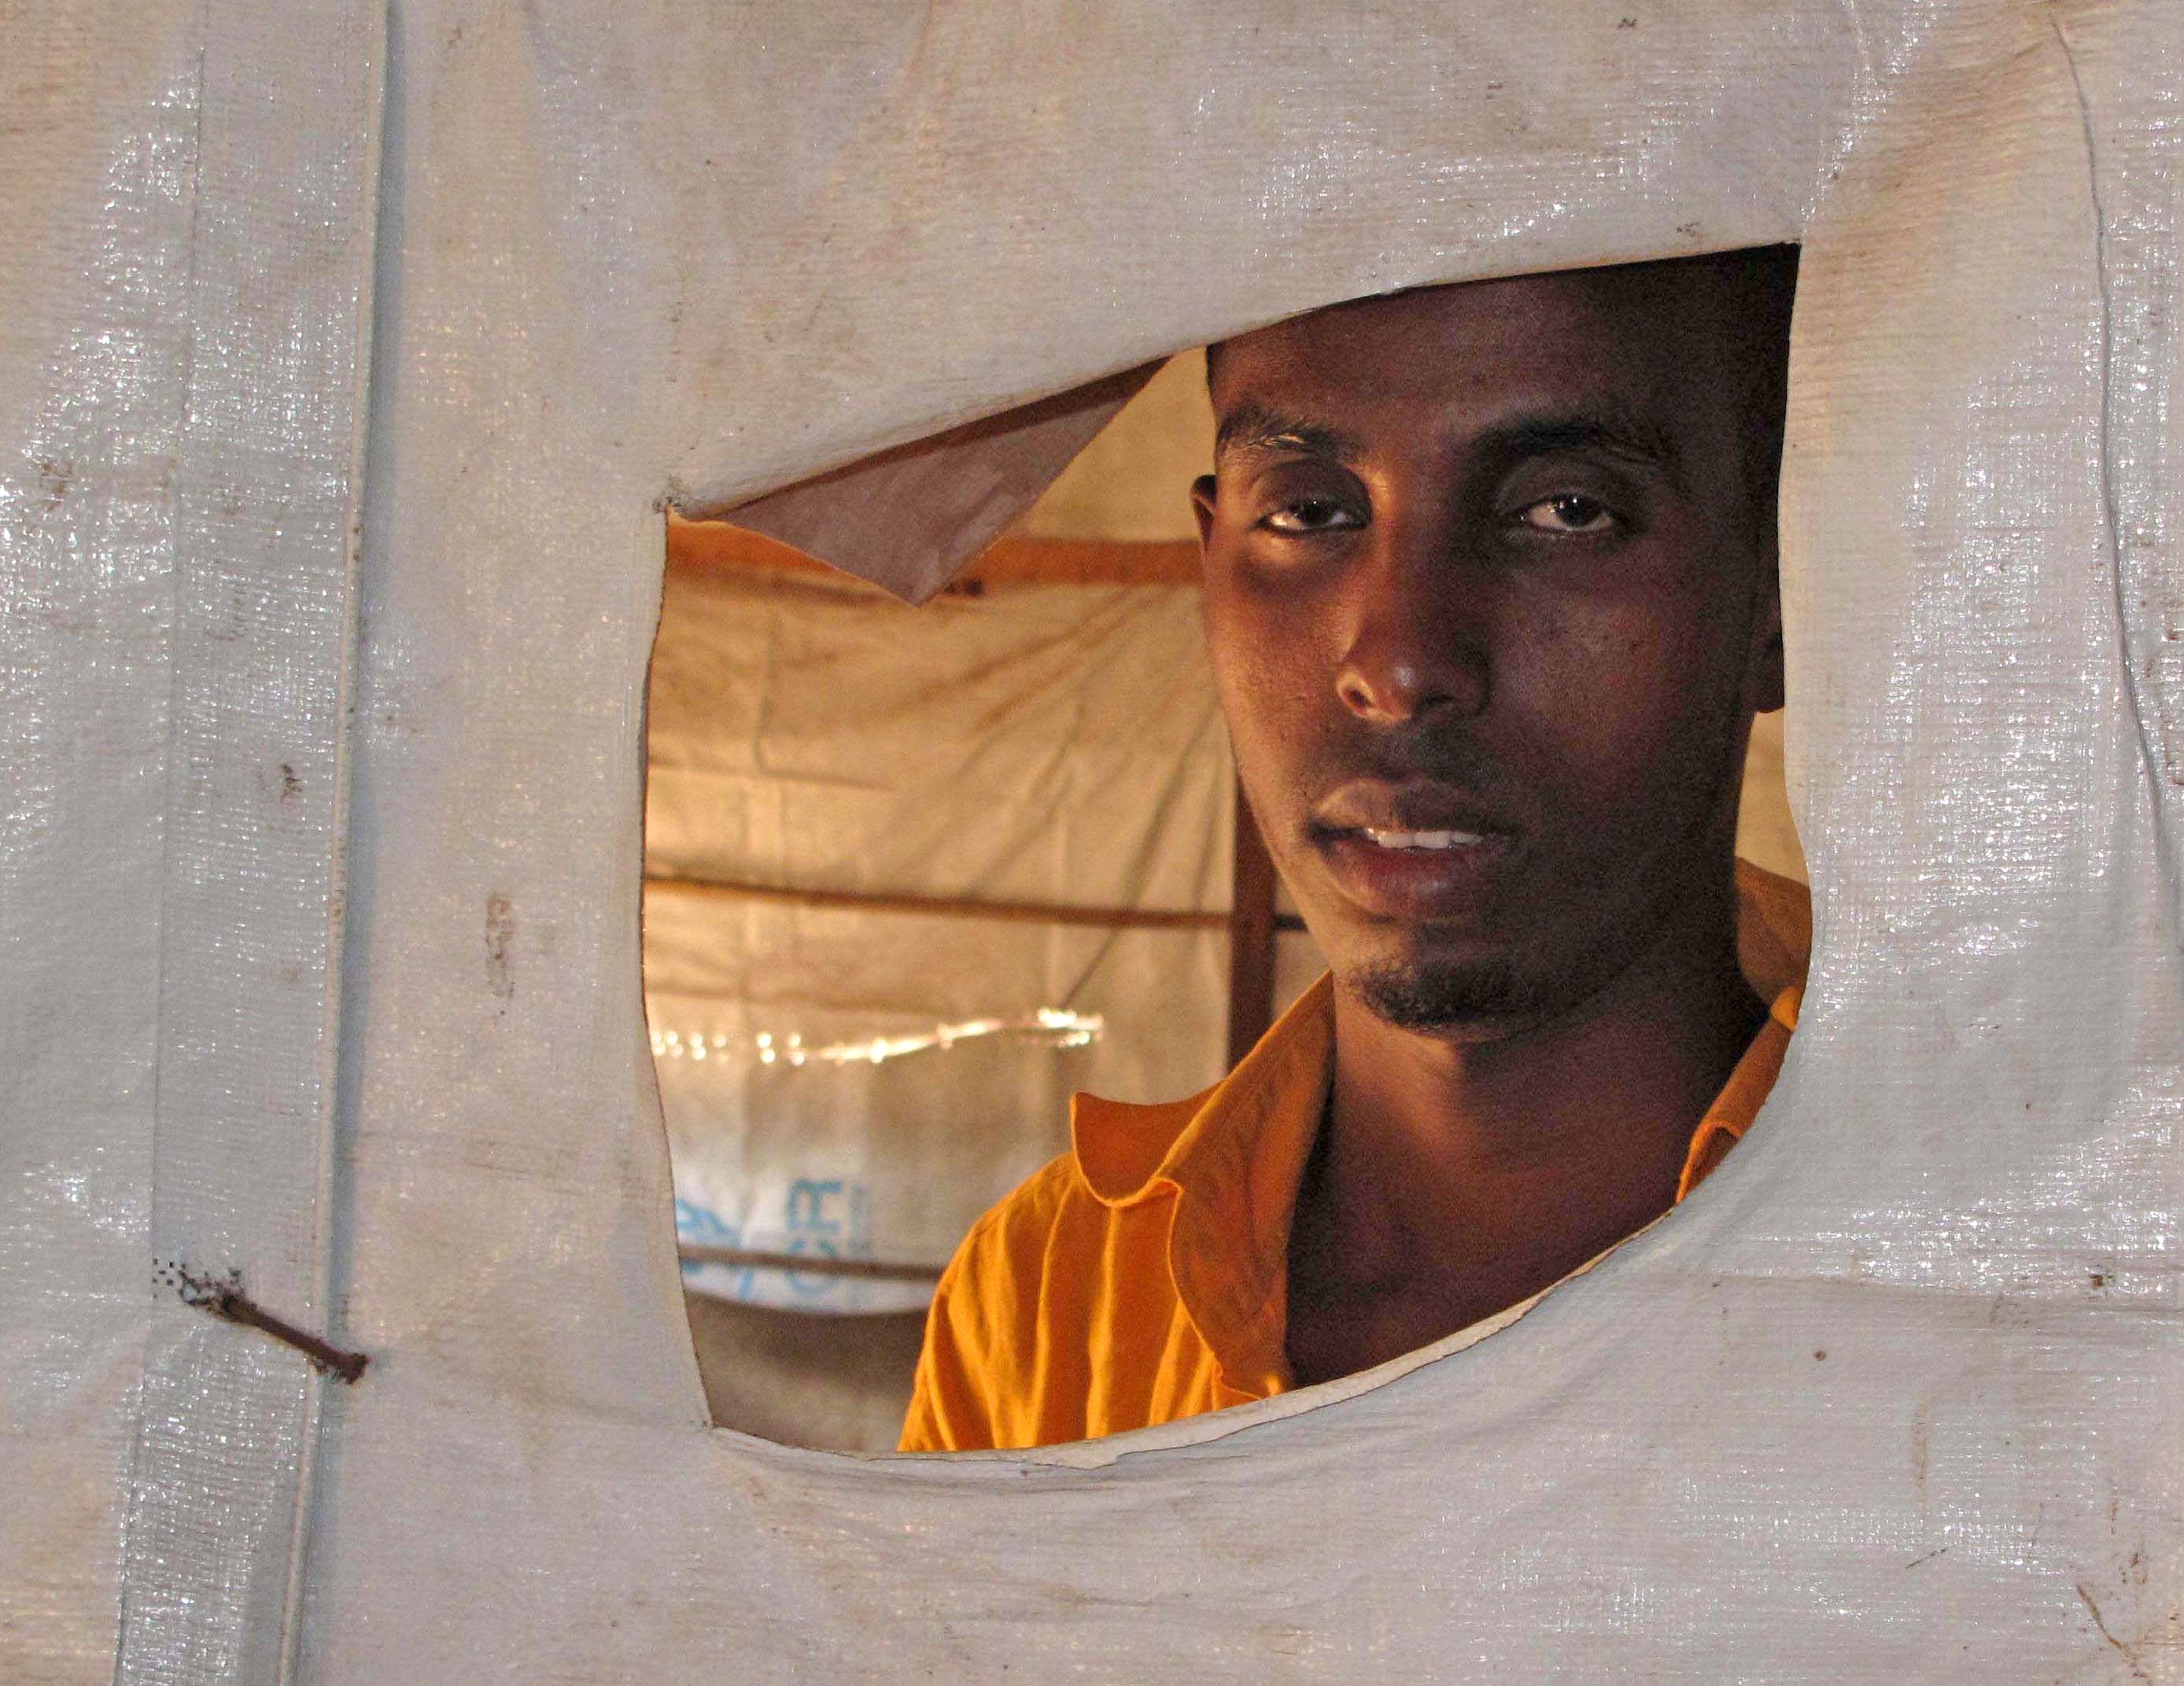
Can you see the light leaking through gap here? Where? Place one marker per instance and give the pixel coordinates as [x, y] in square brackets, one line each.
[1056, 1027]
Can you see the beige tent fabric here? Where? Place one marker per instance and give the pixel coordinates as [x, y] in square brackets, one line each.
[866, 1082]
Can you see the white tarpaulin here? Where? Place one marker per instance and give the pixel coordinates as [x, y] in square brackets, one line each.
[349, 357]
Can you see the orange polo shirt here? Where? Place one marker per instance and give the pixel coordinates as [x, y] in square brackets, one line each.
[1144, 1277]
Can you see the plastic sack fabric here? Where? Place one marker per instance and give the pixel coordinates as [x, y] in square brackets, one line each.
[320, 884]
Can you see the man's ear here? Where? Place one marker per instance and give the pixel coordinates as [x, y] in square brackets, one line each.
[1202, 497]
[1764, 683]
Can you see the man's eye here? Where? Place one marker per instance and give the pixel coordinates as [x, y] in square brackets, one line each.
[1571, 512]
[1313, 516]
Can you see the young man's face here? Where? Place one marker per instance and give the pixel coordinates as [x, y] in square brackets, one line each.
[1491, 596]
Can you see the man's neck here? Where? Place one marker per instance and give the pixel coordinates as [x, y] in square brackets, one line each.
[1454, 1178]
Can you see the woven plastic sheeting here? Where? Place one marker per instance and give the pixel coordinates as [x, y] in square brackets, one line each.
[319, 886]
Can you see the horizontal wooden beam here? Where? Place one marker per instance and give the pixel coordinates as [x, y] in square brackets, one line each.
[806, 1263]
[955, 907]
[699, 546]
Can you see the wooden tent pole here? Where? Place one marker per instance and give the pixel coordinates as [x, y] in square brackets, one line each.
[1251, 926]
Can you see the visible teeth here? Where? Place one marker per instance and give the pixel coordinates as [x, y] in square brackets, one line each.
[1424, 839]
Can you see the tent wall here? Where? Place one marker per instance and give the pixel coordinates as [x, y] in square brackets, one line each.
[183, 373]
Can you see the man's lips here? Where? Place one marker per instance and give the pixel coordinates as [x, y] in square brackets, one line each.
[1416, 841]
[1417, 808]
[1415, 877]
[1413, 850]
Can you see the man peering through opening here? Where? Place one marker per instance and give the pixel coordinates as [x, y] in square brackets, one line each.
[1492, 600]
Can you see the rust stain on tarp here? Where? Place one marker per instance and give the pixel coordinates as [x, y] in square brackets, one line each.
[499, 942]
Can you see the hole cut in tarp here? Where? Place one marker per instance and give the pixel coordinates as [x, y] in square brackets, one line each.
[726, 1135]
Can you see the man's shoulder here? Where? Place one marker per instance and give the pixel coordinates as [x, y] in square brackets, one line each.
[974, 1371]
[1025, 1290]
[1028, 1210]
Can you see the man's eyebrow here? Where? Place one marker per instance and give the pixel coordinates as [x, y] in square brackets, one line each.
[1255, 427]
[1612, 432]
[1615, 433]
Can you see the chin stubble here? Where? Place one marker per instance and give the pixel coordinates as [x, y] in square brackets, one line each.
[1415, 997]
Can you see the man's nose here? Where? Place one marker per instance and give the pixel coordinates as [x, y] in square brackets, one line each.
[1418, 632]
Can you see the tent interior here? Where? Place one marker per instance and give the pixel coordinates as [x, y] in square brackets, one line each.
[914, 874]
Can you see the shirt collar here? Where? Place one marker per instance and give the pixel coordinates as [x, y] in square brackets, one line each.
[1744, 1093]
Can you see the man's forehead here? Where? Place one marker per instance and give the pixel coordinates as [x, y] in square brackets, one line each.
[1634, 340]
